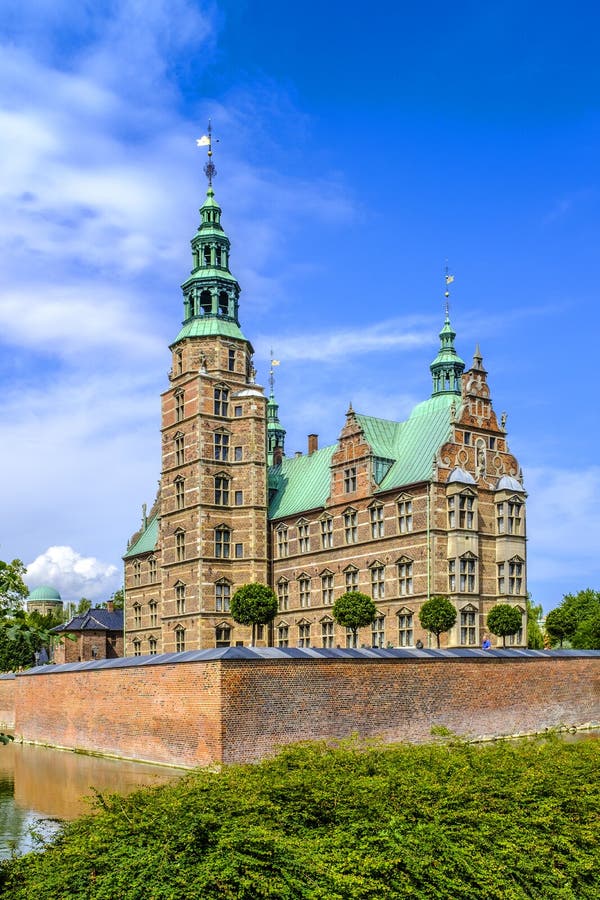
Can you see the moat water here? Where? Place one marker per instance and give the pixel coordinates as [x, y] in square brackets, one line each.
[40, 787]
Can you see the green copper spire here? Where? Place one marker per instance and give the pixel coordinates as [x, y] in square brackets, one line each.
[275, 431]
[211, 293]
[447, 367]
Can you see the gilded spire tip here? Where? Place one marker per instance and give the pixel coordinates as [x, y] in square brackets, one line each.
[206, 140]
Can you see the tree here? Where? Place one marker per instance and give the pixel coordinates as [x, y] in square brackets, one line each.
[13, 589]
[587, 636]
[561, 624]
[535, 638]
[83, 606]
[354, 610]
[503, 619]
[437, 615]
[583, 605]
[254, 604]
[118, 598]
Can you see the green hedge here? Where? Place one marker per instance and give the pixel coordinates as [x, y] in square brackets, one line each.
[507, 820]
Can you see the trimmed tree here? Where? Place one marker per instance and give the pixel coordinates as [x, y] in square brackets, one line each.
[437, 615]
[503, 619]
[253, 604]
[354, 610]
[561, 625]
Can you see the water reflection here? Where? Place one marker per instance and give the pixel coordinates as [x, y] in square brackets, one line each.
[39, 783]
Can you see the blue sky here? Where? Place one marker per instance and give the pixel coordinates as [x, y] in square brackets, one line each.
[359, 149]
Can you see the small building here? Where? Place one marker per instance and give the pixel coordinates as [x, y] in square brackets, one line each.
[98, 634]
[45, 600]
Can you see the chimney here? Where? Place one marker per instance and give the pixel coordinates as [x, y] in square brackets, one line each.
[313, 443]
[110, 606]
[297, 454]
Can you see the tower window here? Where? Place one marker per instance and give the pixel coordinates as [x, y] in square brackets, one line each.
[180, 545]
[221, 445]
[221, 405]
[350, 480]
[179, 405]
[223, 303]
[206, 253]
[179, 640]
[222, 542]
[179, 450]
[206, 302]
[222, 596]
[218, 257]
[231, 360]
[179, 493]
[221, 490]
[178, 362]
[180, 598]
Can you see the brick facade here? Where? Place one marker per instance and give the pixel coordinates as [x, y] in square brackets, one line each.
[244, 705]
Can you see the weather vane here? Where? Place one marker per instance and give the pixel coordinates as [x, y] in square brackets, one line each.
[274, 362]
[448, 279]
[210, 170]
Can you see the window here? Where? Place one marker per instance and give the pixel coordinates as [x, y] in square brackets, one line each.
[283, 635]
[405, 628]
[378, 632]
[282, 541]
[304, 590]
[218, 254]
[405, 519]
[205, 296]
[180, 598]
[327, 633]
[405, 576]
[153, 646]
[326, 532]
[304, 634]
[500, 518]
[179, 451]
[137, 615]
[237, 411]
[221, 490]
[224, 309]
[515, 576]
[451, 574]
[223, 636]
[178, 362]
[501, 579]
[239, 498]
[378, 582]
[283, 594]
[239, 551]
[515, 639]
[238, 454]
[179, 493]
[179, 405]
[231, 359]
[221, 445]
[137, 648]
[222, 596]
[351, 578]
[514, 516]
[377, 523]
[152, 569]
[350, 480]
[153, 607]
[461, 511]
[222, 542]
[467, 437]
[351, 526]
[137, 572]
[467, 572]
[492, 443]
[327, 589]
[221, 405]
[180, 545]
[179, 640]
[351, 638]
[303, 536]
[468, 626]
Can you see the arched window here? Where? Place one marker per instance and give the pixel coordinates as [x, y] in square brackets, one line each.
[222, 542]
[206, 302]
[221, 490]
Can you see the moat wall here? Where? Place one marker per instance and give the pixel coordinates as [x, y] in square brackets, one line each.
[207, 707]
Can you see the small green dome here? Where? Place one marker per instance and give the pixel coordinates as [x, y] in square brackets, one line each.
[44, 592]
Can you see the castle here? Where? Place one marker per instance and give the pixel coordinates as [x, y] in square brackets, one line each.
[398, 510]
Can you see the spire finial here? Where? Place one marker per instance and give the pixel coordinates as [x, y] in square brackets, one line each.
[274, 362]
[448, 280]
[210, 169]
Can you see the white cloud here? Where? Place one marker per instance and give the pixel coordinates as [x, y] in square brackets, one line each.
[73, 575]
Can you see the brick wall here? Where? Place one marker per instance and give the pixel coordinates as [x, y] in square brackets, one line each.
[7, 702]
[242, 704]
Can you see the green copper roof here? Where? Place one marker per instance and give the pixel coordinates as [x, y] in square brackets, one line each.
[301, 482]
[304, 482]
[146, 542]
[205, 273]
[44, 592]
[209, 325]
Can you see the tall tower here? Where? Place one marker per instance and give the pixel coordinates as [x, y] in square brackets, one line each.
[213, 501]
